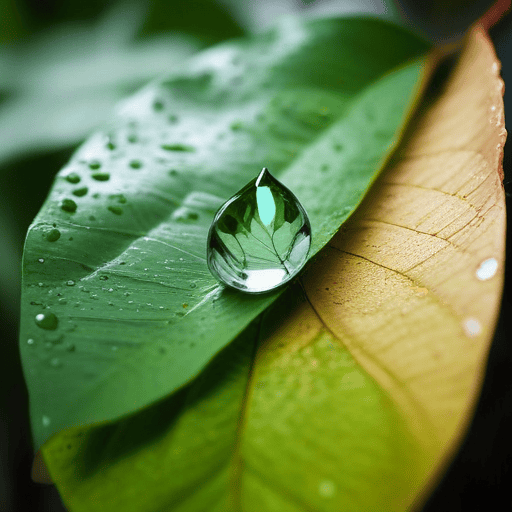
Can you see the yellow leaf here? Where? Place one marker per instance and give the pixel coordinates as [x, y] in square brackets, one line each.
[410, 288]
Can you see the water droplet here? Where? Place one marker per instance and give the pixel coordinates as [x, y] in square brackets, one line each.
[46, 421]
[115, 209]
[103, 278]
[178, 147]
[73, 177]
[30, 341]
[120, 198]
[487, 269]
[68, 205]
[173, 119]
[158, 105]
[135, 164]
[132, 138]
[327, 489]
[183, 214]
[110, 143]
[70, 283]
[70, 347]
[41, 260]
[52, 235]
[193, 285]
[80, 192]
[47, 321]
[56, 362]
[173, 172]
[260, 238]
[94, 164]
[472, 327]
[100, 176]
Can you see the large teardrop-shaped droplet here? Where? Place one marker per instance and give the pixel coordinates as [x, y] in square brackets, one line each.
[260, 238]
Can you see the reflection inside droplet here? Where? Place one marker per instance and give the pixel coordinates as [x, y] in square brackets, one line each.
[260, 238]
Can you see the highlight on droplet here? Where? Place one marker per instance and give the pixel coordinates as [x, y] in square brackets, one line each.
[472, 327]
[487, 269]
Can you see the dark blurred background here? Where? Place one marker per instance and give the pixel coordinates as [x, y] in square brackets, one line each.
[63, 66]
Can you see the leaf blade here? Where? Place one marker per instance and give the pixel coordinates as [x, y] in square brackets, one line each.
[129, 252]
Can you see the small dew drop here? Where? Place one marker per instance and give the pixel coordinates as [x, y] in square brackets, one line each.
[117, 210]
[158, 105]
[41, 260]
[173, 119]
[173, 172]
[47, 321]
[472, 327]
[100, 176]
[80, 192]
[135, 164]
[73, 177]
[68, 205]
[103, 278]
[327, 489]
[53, 235]
[30, 341]
[94, 164]
[110, 143]
[70, 283]
[56, 362]
[45, 421]
[193, 285]
[178, 147]
[487, 269]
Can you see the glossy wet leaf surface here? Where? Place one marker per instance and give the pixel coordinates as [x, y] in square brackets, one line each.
[127, 278]
[352, 396]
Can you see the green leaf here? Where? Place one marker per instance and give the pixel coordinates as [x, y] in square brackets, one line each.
[241, 436]
[321, 103]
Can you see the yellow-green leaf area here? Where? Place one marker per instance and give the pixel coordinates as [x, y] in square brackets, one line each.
[306, 429]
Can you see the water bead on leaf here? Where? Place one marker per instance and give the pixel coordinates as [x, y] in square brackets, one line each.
[260, 238]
